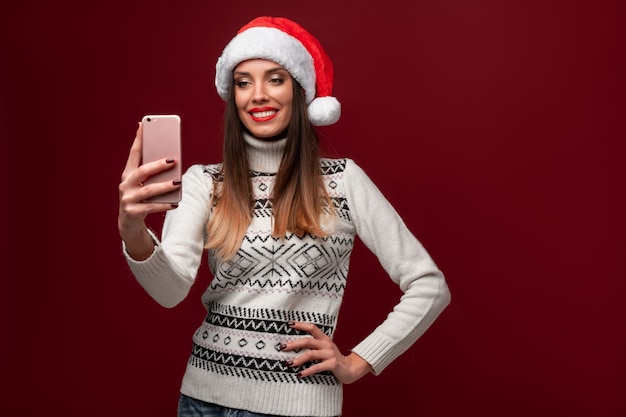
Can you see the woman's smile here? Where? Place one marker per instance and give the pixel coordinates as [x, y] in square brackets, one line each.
[263, 114]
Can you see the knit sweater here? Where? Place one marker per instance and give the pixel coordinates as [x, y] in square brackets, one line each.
[235, 360]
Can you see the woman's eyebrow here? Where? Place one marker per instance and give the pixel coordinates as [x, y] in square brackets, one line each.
[275, 70]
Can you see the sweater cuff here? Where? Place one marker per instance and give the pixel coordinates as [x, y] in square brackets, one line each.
[152, 264]
[377, 350]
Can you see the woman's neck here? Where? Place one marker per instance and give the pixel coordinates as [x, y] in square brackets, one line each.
[264, 155]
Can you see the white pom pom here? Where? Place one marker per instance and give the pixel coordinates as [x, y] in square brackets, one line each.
[324, 111]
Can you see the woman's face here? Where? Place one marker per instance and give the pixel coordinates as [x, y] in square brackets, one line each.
[263, 96]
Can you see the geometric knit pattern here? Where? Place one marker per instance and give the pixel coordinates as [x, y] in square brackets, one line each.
[244, 342]
[241, 338]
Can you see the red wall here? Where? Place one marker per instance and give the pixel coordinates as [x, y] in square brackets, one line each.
[496, 128]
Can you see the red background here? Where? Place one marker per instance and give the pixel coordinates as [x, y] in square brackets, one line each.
[496, 128]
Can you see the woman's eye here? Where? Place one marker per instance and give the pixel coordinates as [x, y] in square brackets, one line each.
[277, 80]
[242, 83]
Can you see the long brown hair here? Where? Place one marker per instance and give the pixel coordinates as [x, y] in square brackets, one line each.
[299, 197]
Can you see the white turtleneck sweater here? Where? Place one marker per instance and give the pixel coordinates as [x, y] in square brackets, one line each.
[235, 360]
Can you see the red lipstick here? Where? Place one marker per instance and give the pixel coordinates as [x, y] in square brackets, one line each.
[263, 114]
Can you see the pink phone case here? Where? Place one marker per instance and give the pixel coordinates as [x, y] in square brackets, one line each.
[162, 140]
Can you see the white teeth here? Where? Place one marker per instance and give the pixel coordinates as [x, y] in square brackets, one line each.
[264, 113]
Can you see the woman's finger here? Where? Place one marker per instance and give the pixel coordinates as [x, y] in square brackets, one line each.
[303, 343]
[316, 340]
[314, 369]
[133, 180]
[310, 328]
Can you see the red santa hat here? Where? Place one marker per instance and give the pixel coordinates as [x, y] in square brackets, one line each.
[290, 45]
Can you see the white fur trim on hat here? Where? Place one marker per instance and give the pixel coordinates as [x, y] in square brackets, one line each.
[267, 43]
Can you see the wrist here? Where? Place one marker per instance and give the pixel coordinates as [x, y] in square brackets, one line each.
[139, 244]
[359, 365]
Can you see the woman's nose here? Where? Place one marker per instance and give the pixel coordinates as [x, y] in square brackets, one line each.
[260, 93]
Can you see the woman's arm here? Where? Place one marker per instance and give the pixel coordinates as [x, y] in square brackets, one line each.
[425, 292]
[170, 271]
[165, 268]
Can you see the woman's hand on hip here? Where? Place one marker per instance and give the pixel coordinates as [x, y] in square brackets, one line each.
[325, 355]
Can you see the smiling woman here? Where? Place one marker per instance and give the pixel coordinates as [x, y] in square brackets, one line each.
[279, 224]
[263, 96]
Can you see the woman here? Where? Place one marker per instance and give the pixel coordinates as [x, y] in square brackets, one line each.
[279, 224]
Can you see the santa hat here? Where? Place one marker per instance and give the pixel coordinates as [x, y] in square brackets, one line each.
[290, 45]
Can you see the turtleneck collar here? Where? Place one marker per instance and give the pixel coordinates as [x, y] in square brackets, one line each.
[264, 155]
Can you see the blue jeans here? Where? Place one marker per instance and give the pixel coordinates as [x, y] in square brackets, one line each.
[190, 407]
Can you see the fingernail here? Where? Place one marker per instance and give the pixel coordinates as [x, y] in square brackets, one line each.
[289, 363]
[177, 182]
[299, 374]
[282, 346]
[170, 160]
[174, 205]
[291, 323]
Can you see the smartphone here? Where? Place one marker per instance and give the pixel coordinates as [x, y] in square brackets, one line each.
[162, 140]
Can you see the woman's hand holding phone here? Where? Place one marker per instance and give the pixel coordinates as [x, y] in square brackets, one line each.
[141, 185]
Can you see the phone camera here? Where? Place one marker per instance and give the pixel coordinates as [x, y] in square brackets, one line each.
[149, 119]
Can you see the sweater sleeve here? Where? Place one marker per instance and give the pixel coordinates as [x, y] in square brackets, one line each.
[168, 274]
[425, 292]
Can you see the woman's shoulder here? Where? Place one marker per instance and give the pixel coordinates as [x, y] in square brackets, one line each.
[202, 176]
[335, 165]
[212, 171]
[346, 166]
